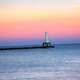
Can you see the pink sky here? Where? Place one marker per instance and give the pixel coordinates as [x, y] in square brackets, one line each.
[30, 22]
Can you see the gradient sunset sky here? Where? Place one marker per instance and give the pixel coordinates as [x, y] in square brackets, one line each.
[25, 21]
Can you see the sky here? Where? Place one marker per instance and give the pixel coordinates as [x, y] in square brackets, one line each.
[25, 21]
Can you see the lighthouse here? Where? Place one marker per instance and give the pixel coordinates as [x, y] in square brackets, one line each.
[46, 42]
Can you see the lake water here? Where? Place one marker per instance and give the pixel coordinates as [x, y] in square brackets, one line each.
[59, 63]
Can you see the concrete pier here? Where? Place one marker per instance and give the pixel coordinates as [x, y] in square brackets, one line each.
[46, 44]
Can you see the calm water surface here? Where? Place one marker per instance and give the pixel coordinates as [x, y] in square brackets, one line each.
[59, 63]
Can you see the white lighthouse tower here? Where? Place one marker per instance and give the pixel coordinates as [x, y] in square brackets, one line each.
[46, 42]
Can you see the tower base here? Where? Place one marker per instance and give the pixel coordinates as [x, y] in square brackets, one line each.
[47, 44]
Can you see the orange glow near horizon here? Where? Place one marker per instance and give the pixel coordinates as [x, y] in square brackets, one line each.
[29, 23]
